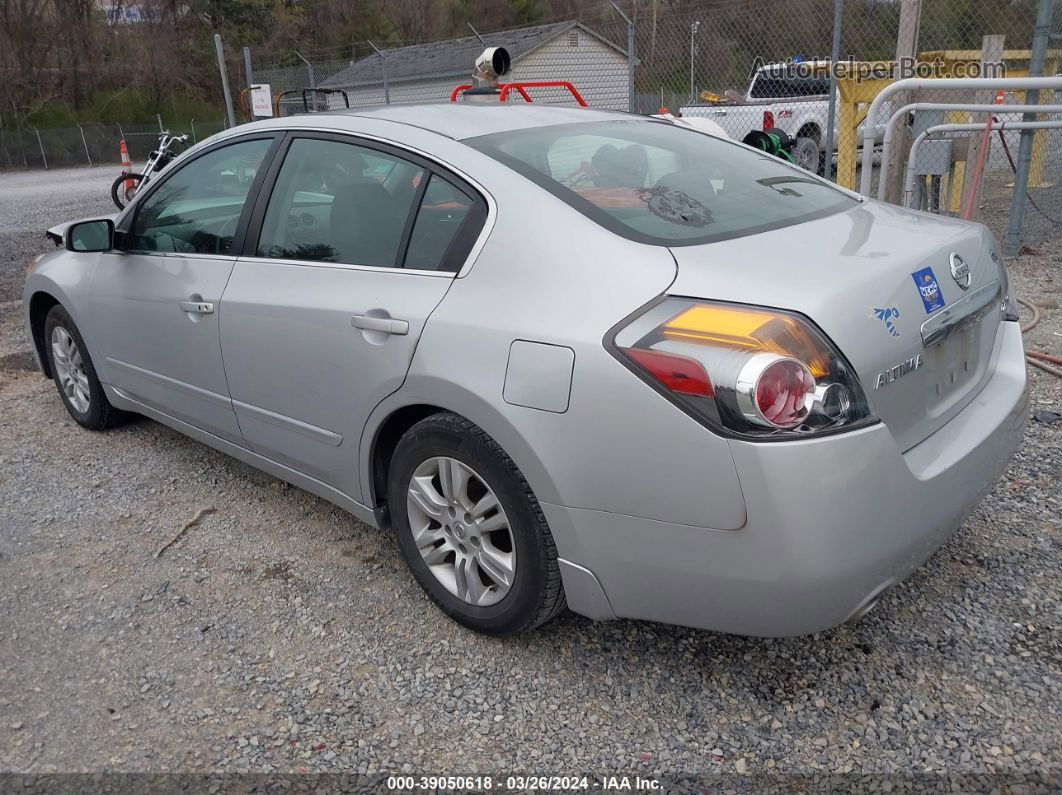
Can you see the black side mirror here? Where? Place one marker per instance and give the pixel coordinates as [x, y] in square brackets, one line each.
[87, 236]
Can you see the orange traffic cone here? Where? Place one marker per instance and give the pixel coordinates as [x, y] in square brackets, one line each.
[127, 165]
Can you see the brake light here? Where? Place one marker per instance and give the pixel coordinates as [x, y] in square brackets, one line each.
[768, 119]
[678, 373]
[753, 371]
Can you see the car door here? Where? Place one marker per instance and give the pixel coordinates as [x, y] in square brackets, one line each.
[157, 297]
[348, 253]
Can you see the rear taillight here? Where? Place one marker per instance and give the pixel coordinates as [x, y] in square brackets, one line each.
[768, 120]
[754, 372]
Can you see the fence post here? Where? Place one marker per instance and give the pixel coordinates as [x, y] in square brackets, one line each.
[632, 103]
[85, 144]
[383, 71]
[224, 79]
[40, 143]
[1041, 33]
[309, 69]
[831, 111]
[192, 123]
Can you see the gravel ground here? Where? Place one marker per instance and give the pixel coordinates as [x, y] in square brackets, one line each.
[282, 635]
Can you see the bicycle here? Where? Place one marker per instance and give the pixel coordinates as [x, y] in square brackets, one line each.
[128, 185]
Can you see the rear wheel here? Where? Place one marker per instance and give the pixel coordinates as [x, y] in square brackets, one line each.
[121, 192]
[470, 528]
[74, 374]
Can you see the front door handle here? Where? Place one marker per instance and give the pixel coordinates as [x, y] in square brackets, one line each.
[198, 307]
[388, 325]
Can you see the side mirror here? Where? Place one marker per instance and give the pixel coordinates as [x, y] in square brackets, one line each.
[87, 236]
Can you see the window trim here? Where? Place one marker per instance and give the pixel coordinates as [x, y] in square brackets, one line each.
[125, 224]
[479, 198]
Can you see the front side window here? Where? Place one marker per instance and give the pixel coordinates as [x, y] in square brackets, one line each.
[338, 202]
[658, 183]
[197, 209]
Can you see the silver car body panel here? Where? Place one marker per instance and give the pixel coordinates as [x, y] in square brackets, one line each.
[654, 515]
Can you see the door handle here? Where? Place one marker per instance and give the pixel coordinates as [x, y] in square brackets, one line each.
[387, 325]
[198, 307]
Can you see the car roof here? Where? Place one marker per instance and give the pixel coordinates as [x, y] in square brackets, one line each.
[459, 120]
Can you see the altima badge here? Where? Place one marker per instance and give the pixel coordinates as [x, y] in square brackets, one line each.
[960, 271]
[899, 371]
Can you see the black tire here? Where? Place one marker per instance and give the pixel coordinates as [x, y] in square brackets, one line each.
[536, 594]
[807, 155]
[121, 195]
[99, 414]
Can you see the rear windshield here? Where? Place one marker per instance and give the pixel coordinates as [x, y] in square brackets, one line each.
[658, 183]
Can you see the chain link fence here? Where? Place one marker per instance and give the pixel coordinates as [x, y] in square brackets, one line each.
[805, 70]
[89, 144]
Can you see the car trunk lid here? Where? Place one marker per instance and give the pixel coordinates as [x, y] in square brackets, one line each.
[877, 280]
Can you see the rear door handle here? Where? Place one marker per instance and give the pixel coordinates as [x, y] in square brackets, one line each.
[198, 307]
[387, 325]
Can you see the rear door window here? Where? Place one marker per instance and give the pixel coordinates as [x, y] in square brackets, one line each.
[339, 202]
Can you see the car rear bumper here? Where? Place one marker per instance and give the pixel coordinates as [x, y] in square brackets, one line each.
[832, 523]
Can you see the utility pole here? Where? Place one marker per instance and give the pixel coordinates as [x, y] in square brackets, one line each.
[224, 79]
[1041, 34]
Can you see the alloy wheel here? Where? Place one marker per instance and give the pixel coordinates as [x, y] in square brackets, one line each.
[461, 531]
[70, 369]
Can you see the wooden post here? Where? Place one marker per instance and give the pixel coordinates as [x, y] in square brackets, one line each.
[906, 47]
[991, 55]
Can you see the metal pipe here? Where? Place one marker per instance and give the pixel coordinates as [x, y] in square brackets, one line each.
[1037, 57]
[831, 113]
[908, 181]
[935, 84]
[250, 81]
[383, 70]
[476, 34]
[886, 142]
[693, 32]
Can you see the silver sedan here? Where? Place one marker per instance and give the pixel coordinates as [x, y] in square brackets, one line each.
[567, 357]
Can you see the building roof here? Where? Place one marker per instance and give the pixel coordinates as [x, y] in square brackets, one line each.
[454, 57]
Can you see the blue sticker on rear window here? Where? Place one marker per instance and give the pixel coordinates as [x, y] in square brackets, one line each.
[928, 289]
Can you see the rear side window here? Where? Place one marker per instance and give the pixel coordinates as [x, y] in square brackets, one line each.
[337, 202]
[443, 211]
[780, 85]
[658, 183]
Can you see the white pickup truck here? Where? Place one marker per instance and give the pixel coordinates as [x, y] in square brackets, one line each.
[778, 97]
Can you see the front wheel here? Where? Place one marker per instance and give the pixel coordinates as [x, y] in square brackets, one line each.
[470, 528]
[122, 193]
[74, 374]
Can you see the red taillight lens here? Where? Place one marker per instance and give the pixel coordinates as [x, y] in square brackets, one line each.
[768, 120]
[678, 373]
[775, 391]
[751, 371]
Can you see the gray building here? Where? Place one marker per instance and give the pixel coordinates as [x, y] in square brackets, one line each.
[429, 72]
